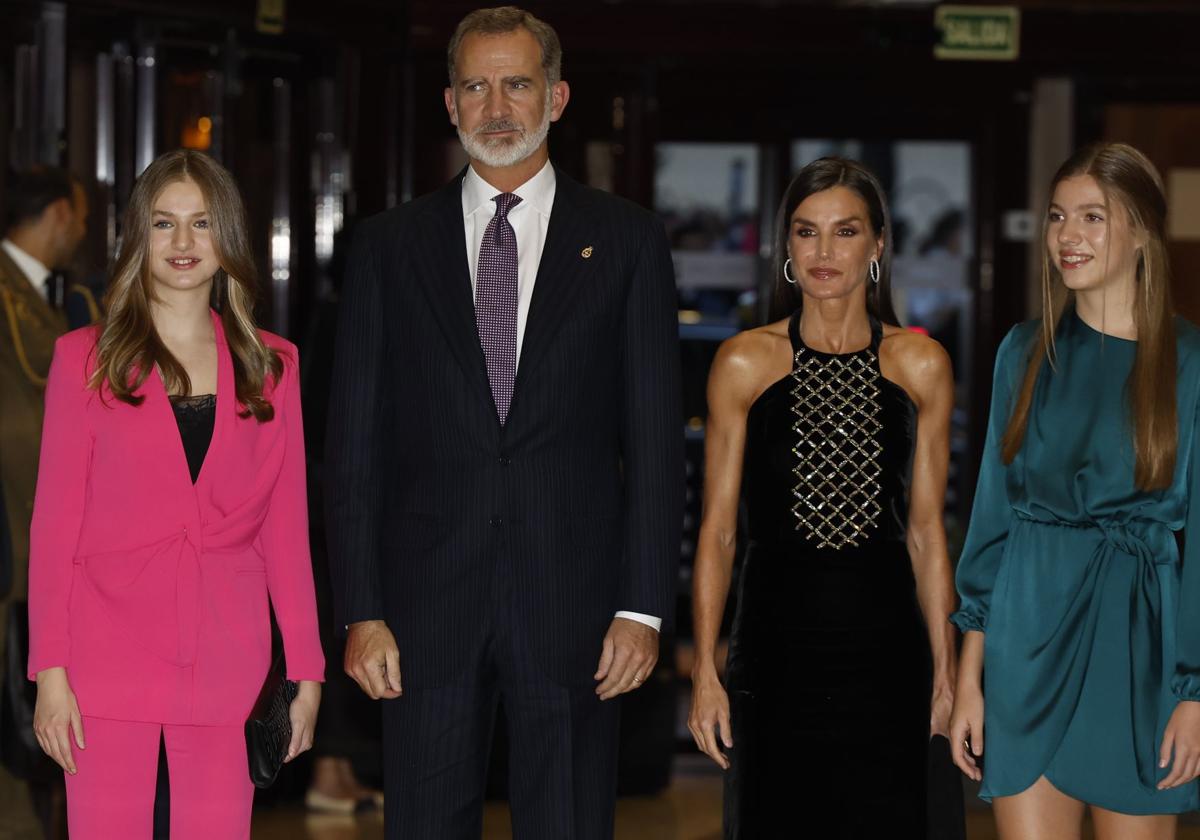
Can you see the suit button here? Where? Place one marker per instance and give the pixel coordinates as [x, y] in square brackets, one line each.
[505, 460]
[496, 521]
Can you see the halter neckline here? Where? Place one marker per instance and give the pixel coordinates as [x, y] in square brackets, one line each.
[798, 342]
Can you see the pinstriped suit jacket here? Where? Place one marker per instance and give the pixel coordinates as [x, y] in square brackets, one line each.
[439, 517]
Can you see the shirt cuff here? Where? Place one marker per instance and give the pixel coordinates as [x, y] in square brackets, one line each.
[642, 618]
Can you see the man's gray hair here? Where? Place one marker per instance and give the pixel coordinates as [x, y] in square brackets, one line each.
[502, 20]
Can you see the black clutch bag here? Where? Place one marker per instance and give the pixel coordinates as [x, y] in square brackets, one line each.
[269, 728]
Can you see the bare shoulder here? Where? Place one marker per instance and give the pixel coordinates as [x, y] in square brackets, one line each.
[751, 349]
[751, 360]
[916, 362]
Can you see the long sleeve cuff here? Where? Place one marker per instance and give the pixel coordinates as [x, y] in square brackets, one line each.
[308, 673]
[968, 619]
[44, 660]
[1186, 686]
[642, 618]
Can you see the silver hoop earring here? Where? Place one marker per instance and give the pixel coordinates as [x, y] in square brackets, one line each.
[873, 270]
[787, 276]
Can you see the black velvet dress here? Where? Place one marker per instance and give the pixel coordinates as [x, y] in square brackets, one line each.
[829, 674]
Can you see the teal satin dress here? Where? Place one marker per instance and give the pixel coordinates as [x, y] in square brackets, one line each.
[1090, 613]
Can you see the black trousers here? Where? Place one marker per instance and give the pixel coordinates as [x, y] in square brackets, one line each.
[562, 754]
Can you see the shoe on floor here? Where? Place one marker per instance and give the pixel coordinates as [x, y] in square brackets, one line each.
[322, 803]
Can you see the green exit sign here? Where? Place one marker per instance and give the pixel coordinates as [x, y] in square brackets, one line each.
[981, 33]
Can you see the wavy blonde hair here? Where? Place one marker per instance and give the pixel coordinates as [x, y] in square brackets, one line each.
[1131, 184]
[129, 346]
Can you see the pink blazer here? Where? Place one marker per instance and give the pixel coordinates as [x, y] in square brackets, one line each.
[153, 592]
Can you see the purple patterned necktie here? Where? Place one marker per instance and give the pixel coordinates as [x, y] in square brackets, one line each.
[496, 302]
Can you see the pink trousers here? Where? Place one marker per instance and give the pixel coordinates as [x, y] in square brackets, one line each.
[112, 794]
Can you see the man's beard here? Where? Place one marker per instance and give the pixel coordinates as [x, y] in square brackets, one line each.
[502, 152]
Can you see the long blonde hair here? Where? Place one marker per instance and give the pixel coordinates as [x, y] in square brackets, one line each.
[129, 346]
[1130, 182]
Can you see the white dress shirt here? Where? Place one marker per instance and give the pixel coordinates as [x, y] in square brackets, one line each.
[530, 220]
[31, 267]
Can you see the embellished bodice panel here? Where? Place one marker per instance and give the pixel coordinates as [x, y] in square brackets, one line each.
[829, 451]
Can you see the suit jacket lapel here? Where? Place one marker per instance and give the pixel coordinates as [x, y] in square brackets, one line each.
[444, 276]
[559, 277]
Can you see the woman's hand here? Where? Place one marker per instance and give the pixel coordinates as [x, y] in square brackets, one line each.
[966, 729]
[710, 712]
[940, 709]
[303, 714]
[1182, 737]
[56, 717]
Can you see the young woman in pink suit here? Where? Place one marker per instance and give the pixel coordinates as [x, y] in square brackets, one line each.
[170, 504]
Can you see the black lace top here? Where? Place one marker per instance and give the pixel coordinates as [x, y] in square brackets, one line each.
[195, 416]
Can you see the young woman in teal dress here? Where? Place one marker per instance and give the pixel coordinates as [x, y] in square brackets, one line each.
[1081, 659]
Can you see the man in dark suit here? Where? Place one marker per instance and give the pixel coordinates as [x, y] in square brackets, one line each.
[505, 466]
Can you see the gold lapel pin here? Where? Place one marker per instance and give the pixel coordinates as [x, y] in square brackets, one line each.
[586, 253]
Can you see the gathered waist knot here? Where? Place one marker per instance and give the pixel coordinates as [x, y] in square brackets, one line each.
[1152, 544]
[154, 592]
[1145, 539]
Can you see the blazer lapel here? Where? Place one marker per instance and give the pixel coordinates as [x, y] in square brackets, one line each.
[444, 276]
[561, 274]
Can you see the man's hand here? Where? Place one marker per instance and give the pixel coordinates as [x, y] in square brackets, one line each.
[628, 656]
[372, 659]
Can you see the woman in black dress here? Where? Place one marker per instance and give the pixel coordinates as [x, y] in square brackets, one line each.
[836, 422]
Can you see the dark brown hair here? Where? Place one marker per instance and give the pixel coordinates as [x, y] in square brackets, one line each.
[1132, 185]
[31, 191]
[129, 346]
[820, 175]
[500, 21]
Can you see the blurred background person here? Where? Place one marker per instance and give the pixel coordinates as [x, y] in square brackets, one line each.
[45, 212]
[836, 420]
[45, 221]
